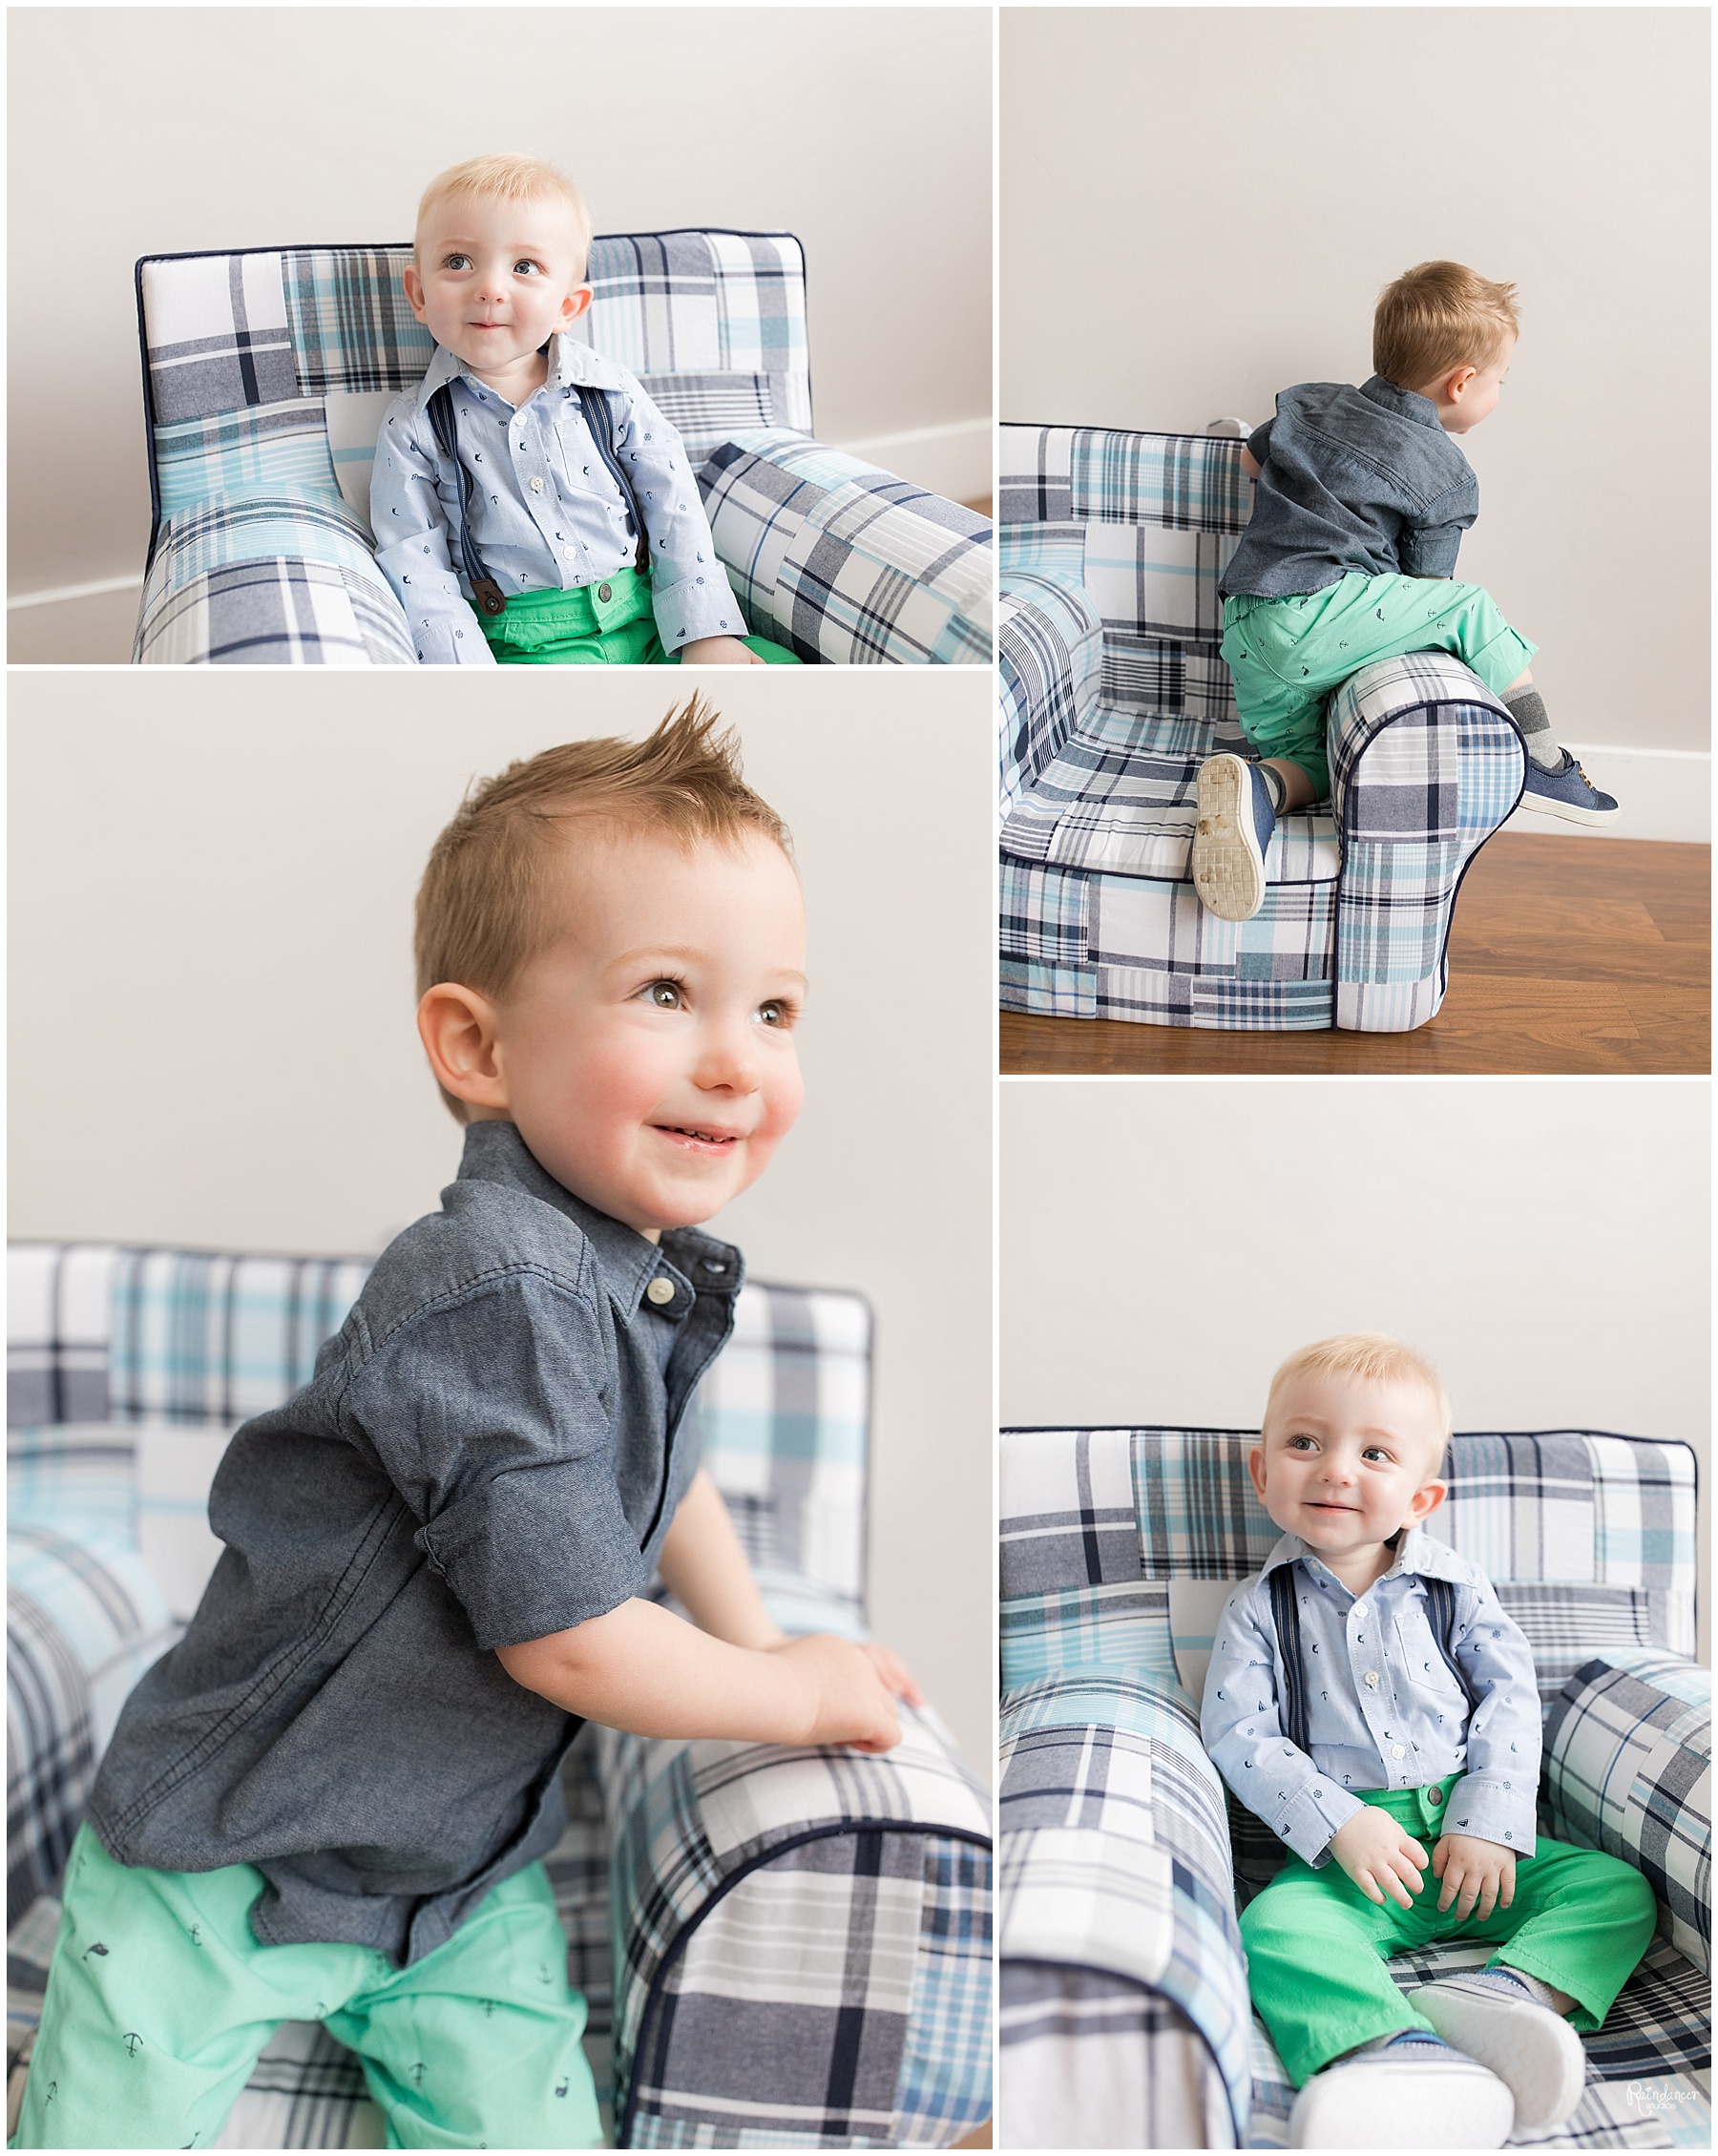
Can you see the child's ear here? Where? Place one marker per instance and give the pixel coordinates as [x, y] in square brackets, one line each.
[414, 290]
[1426, 1500]
[1255, 1467]
[457, 1027]
[574, 306]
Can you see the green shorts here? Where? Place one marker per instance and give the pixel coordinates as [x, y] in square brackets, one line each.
[1316, 1947]
[160, 2000]
[1287, 654]
[607, 624]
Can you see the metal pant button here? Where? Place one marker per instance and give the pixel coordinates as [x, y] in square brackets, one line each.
[605, 593]
[1434, 1796]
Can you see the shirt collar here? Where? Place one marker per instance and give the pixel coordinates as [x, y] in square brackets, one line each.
[1406, 404]
[572, 364]
[628, 1262]
[1417, 1552]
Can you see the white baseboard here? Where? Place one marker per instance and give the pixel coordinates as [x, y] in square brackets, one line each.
[76, 625]
[954, 460]
[1661, 793]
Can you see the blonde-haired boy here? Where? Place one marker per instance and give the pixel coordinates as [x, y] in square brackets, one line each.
[1366, 1689]
[329, 1802]
[1350, 555]
[531, 505]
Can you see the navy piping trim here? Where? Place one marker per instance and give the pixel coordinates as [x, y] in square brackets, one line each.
[928, 1829]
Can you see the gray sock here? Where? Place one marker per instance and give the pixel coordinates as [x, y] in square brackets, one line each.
[1527, 708]
[1278, 784]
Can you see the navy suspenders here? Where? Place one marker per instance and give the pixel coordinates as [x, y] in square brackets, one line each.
[1291, 1680]
[598, 418]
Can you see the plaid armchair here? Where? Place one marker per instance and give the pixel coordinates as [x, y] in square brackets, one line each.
[267, 373]
[1112, 694]
[775, 1947]
[1125, 2019]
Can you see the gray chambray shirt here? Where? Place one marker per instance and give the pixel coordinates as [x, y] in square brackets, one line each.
[1352, 482]
[491, 1450]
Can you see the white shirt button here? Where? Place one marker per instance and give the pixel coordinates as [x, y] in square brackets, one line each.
[1397, 1752]
[569, 553]
[662, 1291]
[536, 486]
[1372, 1678]
[1359, 1609]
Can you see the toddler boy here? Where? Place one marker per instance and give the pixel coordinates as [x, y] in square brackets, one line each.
[531, 505]
[330, 1801]
[1362, 500]
[1366, 1689]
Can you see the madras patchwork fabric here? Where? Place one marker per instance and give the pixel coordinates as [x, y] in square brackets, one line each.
[1426, 763]
[1118, 1550]
[843, 562]
[772, 1905]
[1121, 2060]
[1628, 1766]
[1049, 649]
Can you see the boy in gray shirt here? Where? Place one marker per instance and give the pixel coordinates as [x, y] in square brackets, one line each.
[1350, 557]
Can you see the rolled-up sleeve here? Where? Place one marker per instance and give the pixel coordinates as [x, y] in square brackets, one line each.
[690, 592]
[1240, 1726]
[410, 528]
[1497, 1799]
[489, 1419]
[1432, 541]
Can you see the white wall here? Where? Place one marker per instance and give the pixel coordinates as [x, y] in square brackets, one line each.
[212, 1037]
[150, 130]
[1165, 1243]
[1200, 205]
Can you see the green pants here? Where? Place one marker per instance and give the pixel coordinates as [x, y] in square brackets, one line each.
[1316, 1947]
[607, 624]
[1287, 654]
[160, 2000]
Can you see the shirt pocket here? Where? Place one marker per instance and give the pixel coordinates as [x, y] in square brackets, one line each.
[1431, 1679]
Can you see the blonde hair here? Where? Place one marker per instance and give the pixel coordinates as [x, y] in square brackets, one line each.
[1376, 1357]
[486, 905]
[508, 176]
[1437, 317]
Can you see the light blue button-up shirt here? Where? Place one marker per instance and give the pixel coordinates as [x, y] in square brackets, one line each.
[546, 513]
[1384, 1709]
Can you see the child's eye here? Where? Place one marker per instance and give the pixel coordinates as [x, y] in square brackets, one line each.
[667, 995]
[526, 269]
[777, 1011]
[1303, 1444]
[457, 262]
[1377, 1452]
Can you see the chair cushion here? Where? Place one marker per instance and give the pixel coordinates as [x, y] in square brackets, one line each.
[842, 561]
[1049, 648]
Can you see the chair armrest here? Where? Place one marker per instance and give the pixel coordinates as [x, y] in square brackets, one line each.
[1628, 1759]
[1049, 666]
[1115, 1859]
[1424, 765]
[841, 561]
[730, 1857]
[269, 580]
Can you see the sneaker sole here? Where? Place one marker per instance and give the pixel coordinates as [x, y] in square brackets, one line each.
[1567, 812]
[1524, 2043]
[1399, 2106]
[1228, 870]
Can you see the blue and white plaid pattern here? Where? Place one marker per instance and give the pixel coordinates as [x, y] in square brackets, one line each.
[1049, 648]
[121, 1359]
[841, 561]
[268, 373]
[1118, 1549]
[1425, 765]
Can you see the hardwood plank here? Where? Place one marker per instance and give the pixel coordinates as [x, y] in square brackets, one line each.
[1567, 955]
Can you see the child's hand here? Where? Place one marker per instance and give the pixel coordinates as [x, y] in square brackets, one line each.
[718, 651]
[847, 1701]
[1380, 1857]
[1477, 1875]
[894, 1673]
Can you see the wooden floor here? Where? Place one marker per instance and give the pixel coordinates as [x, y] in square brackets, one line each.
[1567, 955]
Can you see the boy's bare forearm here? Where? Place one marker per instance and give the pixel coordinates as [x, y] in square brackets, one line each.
[704, 1566]
[641, 1668]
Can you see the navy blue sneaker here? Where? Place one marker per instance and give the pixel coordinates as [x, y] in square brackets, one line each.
[1232, 836]
[1567, 792]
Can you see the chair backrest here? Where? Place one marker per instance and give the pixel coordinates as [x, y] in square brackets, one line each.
[1159, 517]
[1121, 1546]
[104, 1335]
[268, 370]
